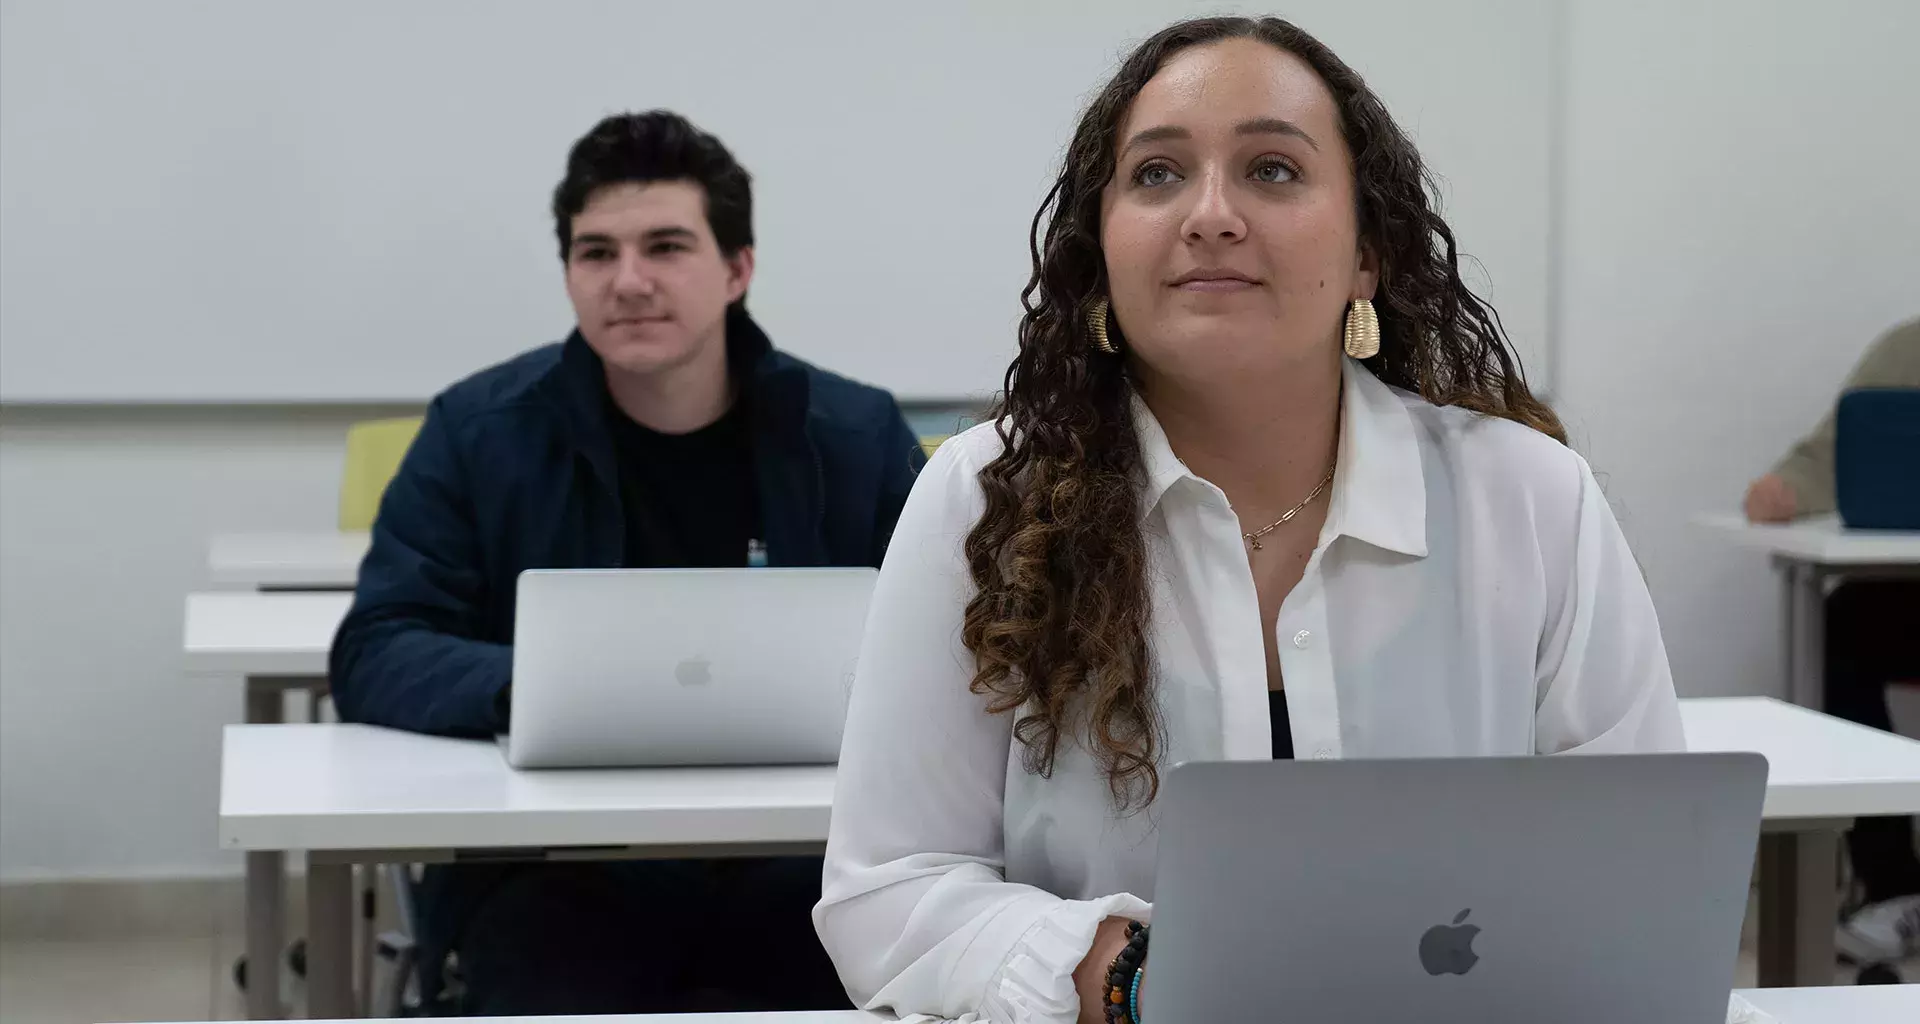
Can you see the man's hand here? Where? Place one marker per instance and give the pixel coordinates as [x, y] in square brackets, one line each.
[1090, 978]
[1770, 500]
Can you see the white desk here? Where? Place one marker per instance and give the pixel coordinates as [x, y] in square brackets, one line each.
[1869, 1004]
[1821, 774]
[1860, 1004]
[262, 635]
[354, 794]
[363, 788]
[1818, 766]
[266, 562]
[1820, 540]
[275, 642]
[326, 560]
[1809, 553]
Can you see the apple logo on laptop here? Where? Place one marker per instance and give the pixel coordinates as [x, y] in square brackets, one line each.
[1448, 949]
[693, 672]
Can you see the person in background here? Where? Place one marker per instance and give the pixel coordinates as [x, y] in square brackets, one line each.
[1871, 630]
[1194, 529]
[665, 431]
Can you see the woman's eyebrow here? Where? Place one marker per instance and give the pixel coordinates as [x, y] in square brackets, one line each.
[1256, 126]
[1158, 133]
[1275, 126]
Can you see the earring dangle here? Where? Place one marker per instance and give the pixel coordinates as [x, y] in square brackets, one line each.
[1362, 336]
[1097, 326]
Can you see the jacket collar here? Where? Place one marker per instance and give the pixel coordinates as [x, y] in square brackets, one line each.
[776, 385]
[1379, 487]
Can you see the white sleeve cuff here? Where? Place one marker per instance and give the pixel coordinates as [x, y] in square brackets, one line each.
[1035, 984]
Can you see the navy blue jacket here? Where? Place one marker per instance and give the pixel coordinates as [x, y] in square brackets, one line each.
[515, 469]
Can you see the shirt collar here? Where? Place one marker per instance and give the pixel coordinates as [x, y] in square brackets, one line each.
[1379, 489]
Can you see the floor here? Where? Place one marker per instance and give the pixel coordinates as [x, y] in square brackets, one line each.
[106, 980]
[156, 979]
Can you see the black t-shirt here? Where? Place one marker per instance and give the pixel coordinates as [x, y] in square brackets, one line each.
[692, 501]
[1282, 725]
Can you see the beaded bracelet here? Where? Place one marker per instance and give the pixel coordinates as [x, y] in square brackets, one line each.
[1123, 978]
[1133, 995]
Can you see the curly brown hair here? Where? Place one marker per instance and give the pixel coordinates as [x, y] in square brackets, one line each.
[1057, 627]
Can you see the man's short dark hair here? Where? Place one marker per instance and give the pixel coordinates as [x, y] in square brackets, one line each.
[658, 145]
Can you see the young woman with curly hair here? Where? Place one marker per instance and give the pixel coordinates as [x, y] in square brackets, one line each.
[1266, 477]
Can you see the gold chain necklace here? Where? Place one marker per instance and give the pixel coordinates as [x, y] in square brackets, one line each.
[1253, 539]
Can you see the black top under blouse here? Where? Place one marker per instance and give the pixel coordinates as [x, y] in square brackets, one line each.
[1282, 725]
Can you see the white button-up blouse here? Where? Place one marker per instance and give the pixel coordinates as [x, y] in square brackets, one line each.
[1470, 594]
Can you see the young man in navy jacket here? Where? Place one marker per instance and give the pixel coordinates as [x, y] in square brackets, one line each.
[665, 431]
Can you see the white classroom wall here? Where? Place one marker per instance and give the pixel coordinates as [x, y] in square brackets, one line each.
[395, 160]
[109, 756]
[1740, 220]
[1736, 223]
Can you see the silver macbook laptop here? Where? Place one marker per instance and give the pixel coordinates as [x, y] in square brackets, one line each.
[1579, 890]
[684, 667]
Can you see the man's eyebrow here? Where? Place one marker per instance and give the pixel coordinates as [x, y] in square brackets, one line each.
[671, 232]
[1275, 126]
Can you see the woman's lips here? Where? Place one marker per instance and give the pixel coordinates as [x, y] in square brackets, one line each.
[1215, 284]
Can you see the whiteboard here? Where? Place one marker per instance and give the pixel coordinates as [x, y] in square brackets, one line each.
[346, 200]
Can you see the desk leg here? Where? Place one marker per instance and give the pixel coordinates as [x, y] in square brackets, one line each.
[1813, 639]
[1799, 904]
[1789, 627]
[365, 931]
[1803, 632]
[266, 888]
[263, 702]
[266, 925]
[329, 940]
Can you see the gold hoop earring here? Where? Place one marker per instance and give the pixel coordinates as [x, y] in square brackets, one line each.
[1097, 326]
[1362, 335]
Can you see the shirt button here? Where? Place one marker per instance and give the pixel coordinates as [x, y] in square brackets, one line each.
[1302, 639]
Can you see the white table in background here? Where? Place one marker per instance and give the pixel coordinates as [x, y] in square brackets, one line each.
[262, 635]
[1822, 773]
[1866, 1004]
[351, 794]
[323, 560]
[1859, 1004]
[275, 642]
[327, 560]
[285, 564]
[1809, 554]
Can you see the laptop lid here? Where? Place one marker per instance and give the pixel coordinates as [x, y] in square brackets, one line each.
[1580, 890]
[684, 667]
